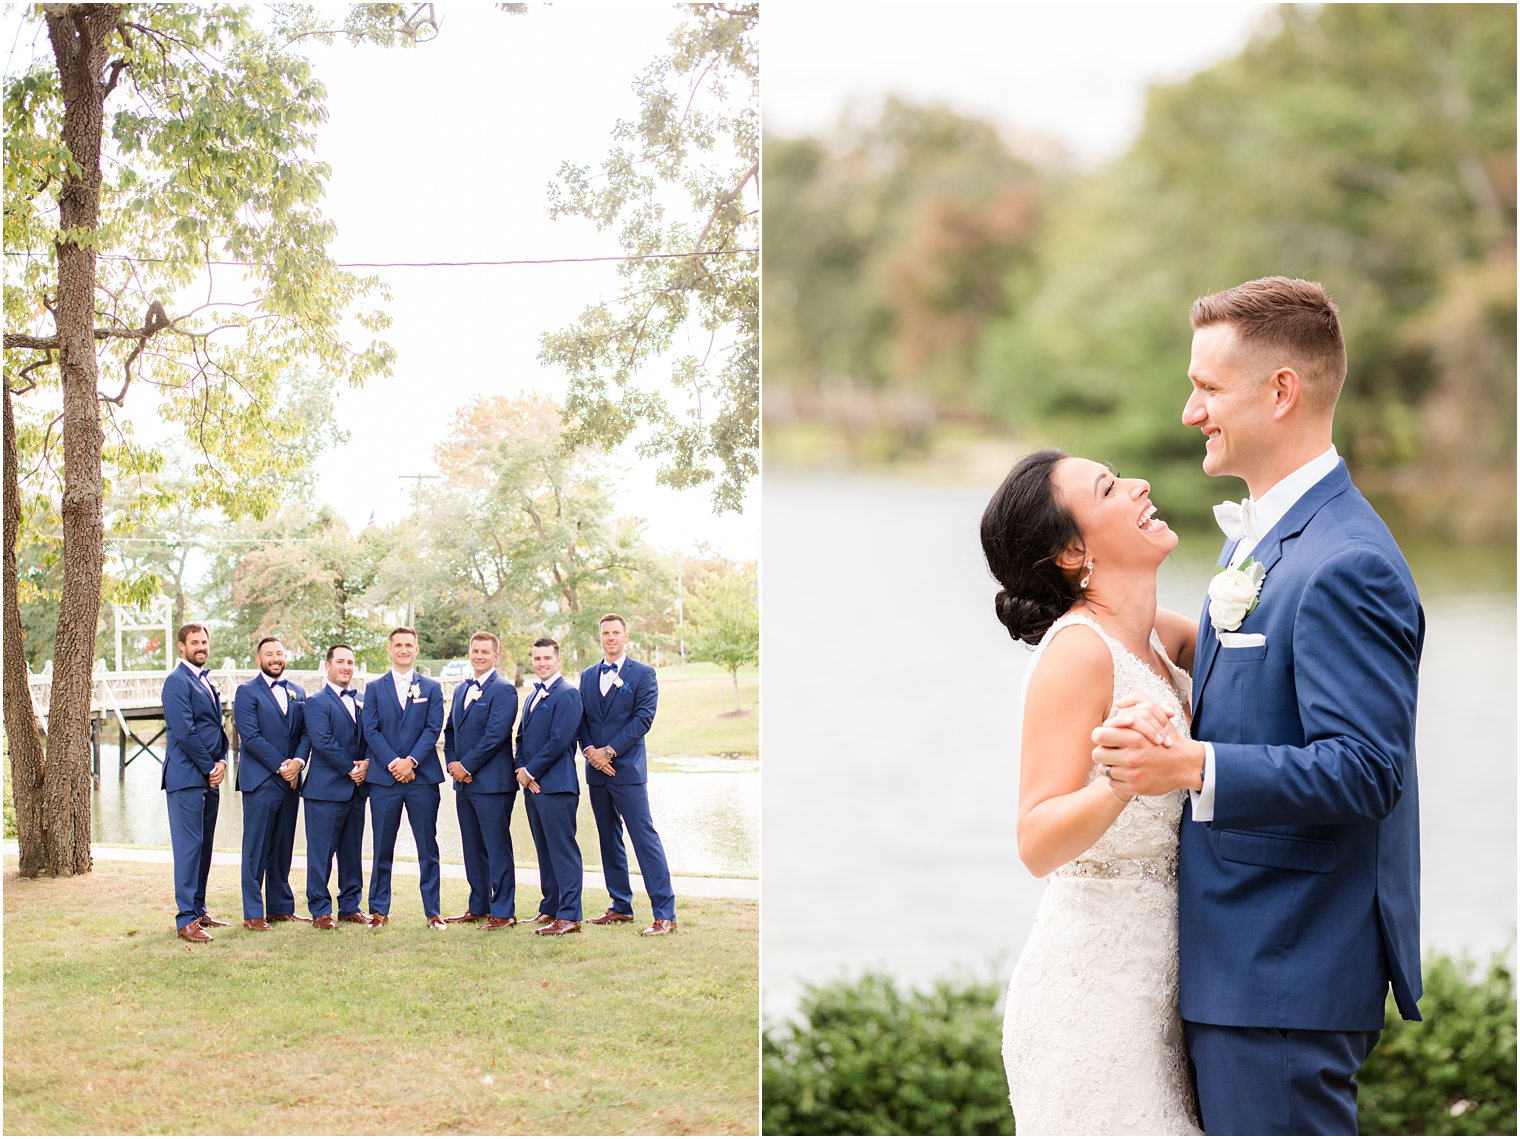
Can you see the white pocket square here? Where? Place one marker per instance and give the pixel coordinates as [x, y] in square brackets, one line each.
[1241, 640]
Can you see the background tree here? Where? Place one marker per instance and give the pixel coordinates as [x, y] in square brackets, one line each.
[691, 152]
[725, 625]
[210, 143]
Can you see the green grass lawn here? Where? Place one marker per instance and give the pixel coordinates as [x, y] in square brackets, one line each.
[113, 1025]
[696, 712]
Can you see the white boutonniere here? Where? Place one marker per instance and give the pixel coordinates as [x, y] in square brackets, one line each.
[414, 692]
[617, 681]
[358, 704]
[1233, 595]
[471, 696]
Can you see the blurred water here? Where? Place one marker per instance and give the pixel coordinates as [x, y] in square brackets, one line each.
[891, 728]
[706, 810]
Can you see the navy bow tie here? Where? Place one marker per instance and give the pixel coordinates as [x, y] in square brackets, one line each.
[205, 674]
[608, 667]
[352, 693]
[540, 687]
[475, 682]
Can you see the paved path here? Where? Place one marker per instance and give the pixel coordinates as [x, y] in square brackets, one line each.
[688, 887]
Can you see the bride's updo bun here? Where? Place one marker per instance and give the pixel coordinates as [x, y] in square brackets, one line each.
[1024, 530]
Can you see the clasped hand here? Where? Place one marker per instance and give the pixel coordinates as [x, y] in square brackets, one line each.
[599, 759]
[1140, 753]
[290, 771]
[526, 780]
[403, 769]
[458, 774]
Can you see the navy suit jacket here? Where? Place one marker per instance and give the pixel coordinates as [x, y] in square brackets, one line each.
[1299, 904]
[480, 737]
[546, 738]
[619, 720]
[337, 743]
[391, 731]
[196, 741]
[269, 736]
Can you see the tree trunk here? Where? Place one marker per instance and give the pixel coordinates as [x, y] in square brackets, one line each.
[80, 35]
[20, 725]
[734, 674]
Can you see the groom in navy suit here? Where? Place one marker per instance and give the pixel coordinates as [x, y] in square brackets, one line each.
[271, 723]
[403, 715]
[195, 763]
[1299, 879]
[618, 700]
[546, 770]
[477, 745]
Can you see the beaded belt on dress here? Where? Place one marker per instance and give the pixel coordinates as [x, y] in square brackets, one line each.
[1151, 869]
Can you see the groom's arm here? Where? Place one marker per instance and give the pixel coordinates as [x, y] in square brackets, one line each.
[1356, 646]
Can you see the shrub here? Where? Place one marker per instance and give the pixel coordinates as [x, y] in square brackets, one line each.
[865, 1059]
[1452, 1073]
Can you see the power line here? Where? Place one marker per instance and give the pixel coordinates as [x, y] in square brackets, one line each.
[427, 264]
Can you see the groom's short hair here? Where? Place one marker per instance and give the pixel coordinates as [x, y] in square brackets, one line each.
[1284, 320]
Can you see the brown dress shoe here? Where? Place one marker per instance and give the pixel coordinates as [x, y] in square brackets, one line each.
[286, 917]
[498, 923]
[207, 919]
[658, 928]
[559, 927]
[256, 923]
[194, 932]
[467, 916]
[542, 919]
[377, 920]
[324, 921]
[359, 917]
[611, 917]
[436, 922]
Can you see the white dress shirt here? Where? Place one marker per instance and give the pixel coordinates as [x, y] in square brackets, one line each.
[346, 701]
[617, 670]
[277, 688]
[403, 682]
[1270, 510]
[539, 695]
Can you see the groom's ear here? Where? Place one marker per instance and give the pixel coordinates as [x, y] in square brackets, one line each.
[1287, 389]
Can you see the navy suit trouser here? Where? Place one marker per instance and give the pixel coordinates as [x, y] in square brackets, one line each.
[192, 826]
[485, 831]
[551, 818]
[335, 828]
[385, 805]
[615, 806]
[269, 834]
[1276, 1081]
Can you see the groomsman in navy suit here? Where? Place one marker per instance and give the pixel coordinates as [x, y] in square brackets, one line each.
[618, 698]
[477, 744]
[269, 718]
[195, 763]
[546, 754]
[335, 794]
[1299, 861]
[403, 716]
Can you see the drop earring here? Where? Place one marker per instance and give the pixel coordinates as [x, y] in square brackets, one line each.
[1086, 577]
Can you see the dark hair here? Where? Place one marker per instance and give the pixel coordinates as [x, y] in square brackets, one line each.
[260, 646]
[193, 627]
[613, 617]
[547, 643]
[334, 648]
[1024, 530]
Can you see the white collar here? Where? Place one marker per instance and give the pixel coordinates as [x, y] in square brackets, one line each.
[484, 678]
[337, 689]
[403, 680]
[271, 680]
[194, 669]
[548, 684]
[1272, 506]
[619, 663]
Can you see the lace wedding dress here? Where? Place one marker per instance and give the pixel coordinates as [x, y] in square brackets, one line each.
[1092, 1035]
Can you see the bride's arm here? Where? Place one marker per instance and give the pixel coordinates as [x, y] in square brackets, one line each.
[1180, 636]
[1060, 813]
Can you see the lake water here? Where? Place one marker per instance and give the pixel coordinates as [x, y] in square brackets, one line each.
[891, 730]
[706, 810]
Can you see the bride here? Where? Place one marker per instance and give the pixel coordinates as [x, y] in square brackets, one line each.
[1092, 1036]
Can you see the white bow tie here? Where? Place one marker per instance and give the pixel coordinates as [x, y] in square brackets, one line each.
[1238, 520]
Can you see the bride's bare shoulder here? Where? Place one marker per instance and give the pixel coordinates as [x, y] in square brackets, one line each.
[1076, 655]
